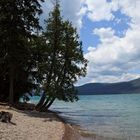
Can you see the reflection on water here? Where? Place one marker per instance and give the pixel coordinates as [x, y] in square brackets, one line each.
[104, 117]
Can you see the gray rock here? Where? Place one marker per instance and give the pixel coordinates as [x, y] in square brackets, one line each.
[5, 116]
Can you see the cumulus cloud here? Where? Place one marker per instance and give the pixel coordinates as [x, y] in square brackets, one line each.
[115, 59]
[72, 10]
[99, 10]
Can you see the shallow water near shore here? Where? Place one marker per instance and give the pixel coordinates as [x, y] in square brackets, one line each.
[103, 117]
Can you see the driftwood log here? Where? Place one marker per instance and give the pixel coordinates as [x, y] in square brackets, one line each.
[5, 116]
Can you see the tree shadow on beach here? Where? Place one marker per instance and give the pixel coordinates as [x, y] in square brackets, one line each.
[47, 116]
[29, 110]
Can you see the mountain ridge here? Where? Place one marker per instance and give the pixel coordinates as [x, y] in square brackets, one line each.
[127, 87]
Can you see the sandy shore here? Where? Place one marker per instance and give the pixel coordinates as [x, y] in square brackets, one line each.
[33, 125]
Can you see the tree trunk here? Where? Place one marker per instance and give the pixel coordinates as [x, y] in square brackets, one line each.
[41, 102]
[11, 86]
[44, 105]
[49, 104]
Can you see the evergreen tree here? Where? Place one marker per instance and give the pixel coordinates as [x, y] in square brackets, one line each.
[18, 19]
[64, 62]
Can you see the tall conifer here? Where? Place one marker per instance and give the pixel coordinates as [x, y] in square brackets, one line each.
[18, 20]
[64, 59]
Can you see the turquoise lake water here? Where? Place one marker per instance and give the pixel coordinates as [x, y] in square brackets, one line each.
[114, 117]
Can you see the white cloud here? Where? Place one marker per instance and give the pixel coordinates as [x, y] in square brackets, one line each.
[99, 10]
[114, 59]
[102, 10]
[106, 35]
[72, 10]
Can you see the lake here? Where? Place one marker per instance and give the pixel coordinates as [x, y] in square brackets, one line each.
[112, 117]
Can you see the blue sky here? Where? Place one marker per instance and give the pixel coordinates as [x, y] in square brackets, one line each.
[109, 30]
[119, 24]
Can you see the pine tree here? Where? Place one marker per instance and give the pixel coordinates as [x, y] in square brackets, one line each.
[18, 20]
[64, 60]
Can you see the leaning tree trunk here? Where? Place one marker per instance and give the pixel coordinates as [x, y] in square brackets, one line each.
[48, 105]
[45, 103]
[41, 102]
[50, 100]
[43, 97]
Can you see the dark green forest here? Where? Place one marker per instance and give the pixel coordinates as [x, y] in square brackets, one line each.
[47, 60]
